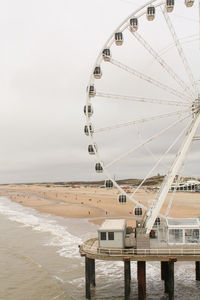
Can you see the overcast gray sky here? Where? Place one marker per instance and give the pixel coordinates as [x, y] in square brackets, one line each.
[48, 49]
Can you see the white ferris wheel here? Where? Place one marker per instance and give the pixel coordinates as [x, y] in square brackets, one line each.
[143, 101]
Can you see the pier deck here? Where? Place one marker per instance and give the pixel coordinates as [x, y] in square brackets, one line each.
[177, 253]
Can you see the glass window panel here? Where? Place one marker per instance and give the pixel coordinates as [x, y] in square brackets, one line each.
[192, 236]
[176, 236]
[103, 236]
[111, 236]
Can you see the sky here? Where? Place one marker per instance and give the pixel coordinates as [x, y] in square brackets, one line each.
[48, 50]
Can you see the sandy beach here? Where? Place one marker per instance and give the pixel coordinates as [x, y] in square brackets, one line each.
[94, 203]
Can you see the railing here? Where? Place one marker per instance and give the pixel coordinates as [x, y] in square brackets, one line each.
[145, 252]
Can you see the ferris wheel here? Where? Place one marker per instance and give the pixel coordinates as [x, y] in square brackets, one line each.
[143, 101]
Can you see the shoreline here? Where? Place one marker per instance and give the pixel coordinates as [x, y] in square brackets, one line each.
[94, 204]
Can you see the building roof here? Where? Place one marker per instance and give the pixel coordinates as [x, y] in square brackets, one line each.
[192, 182]
[182, 222]
[186, 183]
[113, 225]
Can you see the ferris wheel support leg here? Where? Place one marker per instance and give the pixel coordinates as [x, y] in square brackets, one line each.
[155, 209]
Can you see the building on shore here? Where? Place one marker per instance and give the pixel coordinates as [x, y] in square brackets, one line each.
[188, 186]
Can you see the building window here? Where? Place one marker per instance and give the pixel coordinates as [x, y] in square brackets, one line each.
[103, 236]
[111, 236]
[191, 235]
[175, 236]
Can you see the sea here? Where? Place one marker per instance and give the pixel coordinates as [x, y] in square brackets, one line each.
[39, 260]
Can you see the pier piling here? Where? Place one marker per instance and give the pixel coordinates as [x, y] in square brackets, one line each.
[127, 279]
[141, 275]
[93, 283]
[169, 279]
[197, 269]
[163, 269]
[166, 276]
[89, 276]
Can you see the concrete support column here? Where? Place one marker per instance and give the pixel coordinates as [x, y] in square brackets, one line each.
[141, 274]
[127, 279]
[89, 276]
[197, 270]
[169, 279]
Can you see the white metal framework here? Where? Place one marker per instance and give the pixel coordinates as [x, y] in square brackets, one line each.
[143, 91]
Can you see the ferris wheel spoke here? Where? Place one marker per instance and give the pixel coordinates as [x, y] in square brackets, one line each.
[123, 155]
[140, 99]
[148, 149]
[143, 120]
[180, 50]
[158, 161]
[149, 79]
[185, 40]
[163, 64]
[122, 191]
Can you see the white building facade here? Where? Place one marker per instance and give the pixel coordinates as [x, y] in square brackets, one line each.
[112, 234]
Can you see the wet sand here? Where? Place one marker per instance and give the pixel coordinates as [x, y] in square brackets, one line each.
[94, 203]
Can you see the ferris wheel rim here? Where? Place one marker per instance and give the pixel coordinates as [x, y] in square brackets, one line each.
[99, 57]
[98, 61]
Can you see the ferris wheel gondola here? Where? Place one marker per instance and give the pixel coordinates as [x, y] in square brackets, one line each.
[151, 11]
[170, 5]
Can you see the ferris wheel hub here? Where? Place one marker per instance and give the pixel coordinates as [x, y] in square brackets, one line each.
[196, 106]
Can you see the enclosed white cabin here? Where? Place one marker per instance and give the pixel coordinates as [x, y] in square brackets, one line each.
[88, 129]
[189, 3]
[91, 90]
[122, 199]
[151, 13]
[109, 184]
[118, 38]
[183, 230]
[99, 168]
[97, 72]
[92, 149]
[112, 234]
[169, 5]
[138, 211]
[133, 24]
[88, 110]
[106, 54]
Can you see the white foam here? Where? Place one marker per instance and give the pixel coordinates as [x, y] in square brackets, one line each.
[58, 278]
[67, 242]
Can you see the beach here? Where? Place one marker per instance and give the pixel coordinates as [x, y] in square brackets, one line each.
[95, 203]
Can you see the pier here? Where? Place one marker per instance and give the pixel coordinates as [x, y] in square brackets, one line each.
[167, 257]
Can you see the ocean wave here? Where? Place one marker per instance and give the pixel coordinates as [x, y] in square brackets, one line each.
[29, 217]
